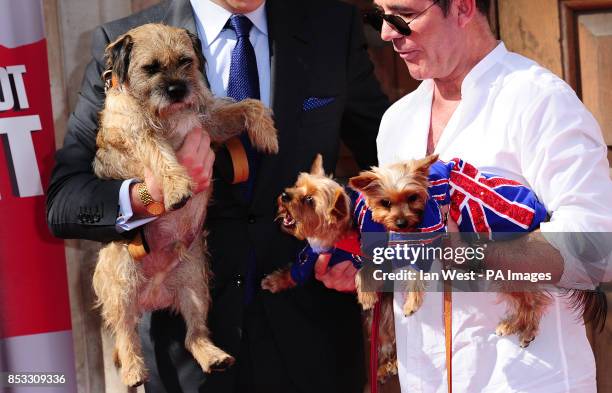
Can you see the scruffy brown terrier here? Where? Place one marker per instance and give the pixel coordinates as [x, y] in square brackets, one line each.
[156, 98]
[317, 209]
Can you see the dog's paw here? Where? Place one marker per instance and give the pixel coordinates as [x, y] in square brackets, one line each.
[386, 370]
[508, 327]
[271, 283]
[181, 203]
[526, 339]
[222, 361]
[367, 299]
[414, 301]
[177, 190]
[278, 281]
[266, 137]
[526, 334]
[260, 127]
[175, 201]
[209, 356]
[134, 375]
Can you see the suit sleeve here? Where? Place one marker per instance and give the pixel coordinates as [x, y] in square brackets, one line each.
[365, 103]
[79, 205]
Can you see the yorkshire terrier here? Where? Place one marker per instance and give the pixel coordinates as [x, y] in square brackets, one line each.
[399, 195]
[155, 96]
[319, 210]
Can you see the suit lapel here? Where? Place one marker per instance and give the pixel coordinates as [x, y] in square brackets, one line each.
[288, 42]
[180, 14]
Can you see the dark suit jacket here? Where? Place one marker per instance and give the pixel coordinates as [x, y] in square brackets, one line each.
[308, 339]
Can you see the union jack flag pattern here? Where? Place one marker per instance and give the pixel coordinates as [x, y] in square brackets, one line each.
[484, 203]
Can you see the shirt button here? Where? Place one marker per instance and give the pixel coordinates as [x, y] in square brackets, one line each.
[238, 280]
[252, 220]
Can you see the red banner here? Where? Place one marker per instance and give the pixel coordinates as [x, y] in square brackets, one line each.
[35, 329]
[33, 284]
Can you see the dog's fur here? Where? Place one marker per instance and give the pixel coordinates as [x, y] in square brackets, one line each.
[143, 124]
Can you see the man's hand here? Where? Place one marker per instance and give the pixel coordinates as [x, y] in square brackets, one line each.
[340, 277]
[197, 158]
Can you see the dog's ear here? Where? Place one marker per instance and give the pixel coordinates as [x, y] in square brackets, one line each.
[317, 166]
[197, 48]
[340, 207]
[364, 182]
[118, 57]
[423, 164]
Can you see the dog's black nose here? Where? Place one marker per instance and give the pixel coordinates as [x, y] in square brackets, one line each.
[401, 223]
[285, 197]
[176, 91]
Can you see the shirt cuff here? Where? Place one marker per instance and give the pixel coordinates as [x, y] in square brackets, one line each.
[124, 221]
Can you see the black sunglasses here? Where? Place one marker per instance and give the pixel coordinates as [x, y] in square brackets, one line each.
[376, 17]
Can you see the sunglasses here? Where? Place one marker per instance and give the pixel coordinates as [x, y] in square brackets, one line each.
[376, 17]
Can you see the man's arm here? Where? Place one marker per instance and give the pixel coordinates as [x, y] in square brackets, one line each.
[365, 102]
[563, 156]
[531, 253]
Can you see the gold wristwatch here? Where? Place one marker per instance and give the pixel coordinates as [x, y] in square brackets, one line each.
[153, 207]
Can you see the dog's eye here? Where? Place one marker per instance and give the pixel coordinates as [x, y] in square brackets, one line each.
[412, 198]
[385, 203]
[185, 61]
[152, 68]
[309, 200]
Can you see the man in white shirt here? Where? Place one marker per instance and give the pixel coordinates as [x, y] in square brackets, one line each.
[506, 115]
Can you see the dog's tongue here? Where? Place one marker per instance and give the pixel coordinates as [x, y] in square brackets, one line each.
[288, 220]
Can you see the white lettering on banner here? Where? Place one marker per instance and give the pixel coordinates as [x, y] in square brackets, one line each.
[5, 87]
[17, 72]
[23, 167]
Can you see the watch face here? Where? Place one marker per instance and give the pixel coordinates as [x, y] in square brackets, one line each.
[155, 208]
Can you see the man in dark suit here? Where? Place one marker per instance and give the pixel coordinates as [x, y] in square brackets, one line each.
[321, 88]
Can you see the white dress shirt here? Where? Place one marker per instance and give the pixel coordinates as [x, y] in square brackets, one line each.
[217, 45]
[518, 120]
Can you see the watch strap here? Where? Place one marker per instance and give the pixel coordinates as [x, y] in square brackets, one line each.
[153, 207]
